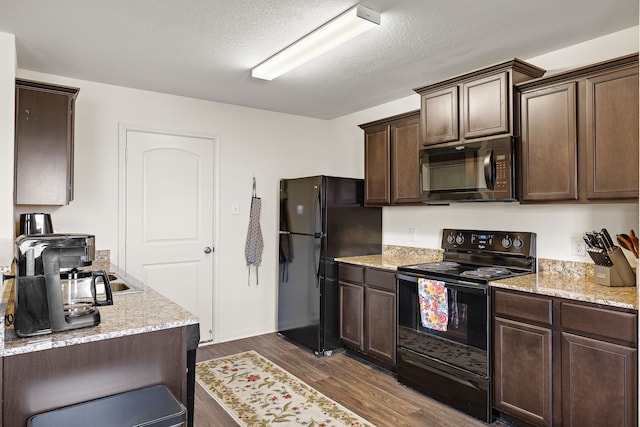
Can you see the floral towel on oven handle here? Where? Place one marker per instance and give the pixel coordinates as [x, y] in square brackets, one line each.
[434, 306]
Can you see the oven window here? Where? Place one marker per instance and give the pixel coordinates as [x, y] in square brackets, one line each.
[463, 343]
[454, 171]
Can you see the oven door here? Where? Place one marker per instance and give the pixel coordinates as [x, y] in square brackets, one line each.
[479, 171]
[460, 338]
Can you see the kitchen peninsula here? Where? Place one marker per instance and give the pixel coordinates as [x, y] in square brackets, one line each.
[142, 340]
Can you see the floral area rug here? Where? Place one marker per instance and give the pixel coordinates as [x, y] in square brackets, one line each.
[257, 392]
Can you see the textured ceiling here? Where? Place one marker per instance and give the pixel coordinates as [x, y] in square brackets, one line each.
[206, 48]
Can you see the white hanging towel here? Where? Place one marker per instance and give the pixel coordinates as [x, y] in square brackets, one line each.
[254, 244]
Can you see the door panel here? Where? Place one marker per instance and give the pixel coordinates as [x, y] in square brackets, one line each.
[299, 292]
[169, 218]
[303, 197]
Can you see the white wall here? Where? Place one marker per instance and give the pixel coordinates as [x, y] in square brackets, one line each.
[555, 225]
[7, 91]
[252, 142]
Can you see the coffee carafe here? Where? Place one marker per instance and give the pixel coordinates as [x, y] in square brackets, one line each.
[79, 291]
[39, 297]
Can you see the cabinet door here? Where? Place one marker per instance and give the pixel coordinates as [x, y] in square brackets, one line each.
[523, 371]
[43, 147]
[376, 166]
[439, 116]
[549, 143]
[352, 315]
[612, 135]
[598, 383]
[405, 161]
[380, 324]
[486, 106]
[41, 381]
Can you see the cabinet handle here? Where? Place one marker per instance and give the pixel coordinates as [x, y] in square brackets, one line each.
[208, 250]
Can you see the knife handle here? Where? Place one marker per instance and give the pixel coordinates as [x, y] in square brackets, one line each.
[608, 238]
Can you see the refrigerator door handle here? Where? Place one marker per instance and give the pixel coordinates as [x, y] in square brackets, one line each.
[318, 251]
[317, 213]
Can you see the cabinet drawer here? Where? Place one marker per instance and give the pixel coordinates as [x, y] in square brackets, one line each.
[523, 306]
[382, 279]
[351, 273]
[598, 321]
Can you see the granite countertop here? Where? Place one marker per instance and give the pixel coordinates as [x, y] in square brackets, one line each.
[394, 256]
[386, 262]
[131, 313]
[563, 279]
[572, 287]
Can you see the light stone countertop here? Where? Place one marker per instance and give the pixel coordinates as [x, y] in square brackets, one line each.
[131, 313]
[561, 279]
[382, 261]
[394, 256]
[572, 287]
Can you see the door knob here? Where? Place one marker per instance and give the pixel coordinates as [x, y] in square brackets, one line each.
[208, 250]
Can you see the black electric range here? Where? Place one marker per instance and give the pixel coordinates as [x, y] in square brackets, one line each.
[444, 315]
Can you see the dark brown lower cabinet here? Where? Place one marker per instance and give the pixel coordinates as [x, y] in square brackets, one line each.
[368, 313]
[45, 380]
[352, 315]
[598, 383]
[559, 362]
[523, 371]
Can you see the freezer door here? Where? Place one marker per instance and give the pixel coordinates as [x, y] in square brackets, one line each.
[301, 204]
[299, 292]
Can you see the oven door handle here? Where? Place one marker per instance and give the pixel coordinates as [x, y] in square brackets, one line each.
[459, 285]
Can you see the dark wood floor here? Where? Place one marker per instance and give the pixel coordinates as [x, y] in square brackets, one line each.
[370, 392]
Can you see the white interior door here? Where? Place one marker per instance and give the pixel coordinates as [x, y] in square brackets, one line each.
[169, 218]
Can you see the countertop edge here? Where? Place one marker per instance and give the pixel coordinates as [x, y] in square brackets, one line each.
[134, 313]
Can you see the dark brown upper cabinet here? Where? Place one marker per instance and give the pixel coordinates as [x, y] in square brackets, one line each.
[391, 151]
[579, 134]
[44, 130]
[474, 105]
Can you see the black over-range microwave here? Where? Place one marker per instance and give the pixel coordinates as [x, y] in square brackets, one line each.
[472, 171]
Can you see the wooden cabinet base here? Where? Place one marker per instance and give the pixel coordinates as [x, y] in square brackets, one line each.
[45, 380]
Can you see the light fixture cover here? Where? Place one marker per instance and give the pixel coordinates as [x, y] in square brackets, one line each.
[344, 27]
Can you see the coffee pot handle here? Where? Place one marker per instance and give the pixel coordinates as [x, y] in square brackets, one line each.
[107, 288]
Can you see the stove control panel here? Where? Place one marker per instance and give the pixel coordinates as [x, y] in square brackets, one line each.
[514, 243]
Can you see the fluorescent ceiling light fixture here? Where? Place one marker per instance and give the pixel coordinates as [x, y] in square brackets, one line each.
[344, 27]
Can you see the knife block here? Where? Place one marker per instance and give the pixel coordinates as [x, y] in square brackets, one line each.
[619, 274]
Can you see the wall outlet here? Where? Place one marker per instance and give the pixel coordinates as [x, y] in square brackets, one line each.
[412, 234]
[578, 247]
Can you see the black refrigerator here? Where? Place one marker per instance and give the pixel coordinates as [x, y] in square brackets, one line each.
[321, 218]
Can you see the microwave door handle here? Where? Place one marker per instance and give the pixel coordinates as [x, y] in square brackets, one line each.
[489, 170]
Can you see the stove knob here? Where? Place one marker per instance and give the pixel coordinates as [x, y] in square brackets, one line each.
[460, 239]
[517, 243]
[451, 239]
[506, 242]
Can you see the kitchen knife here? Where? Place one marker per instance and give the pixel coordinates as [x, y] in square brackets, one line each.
[592, 239]
[602, 243]
[608, 238]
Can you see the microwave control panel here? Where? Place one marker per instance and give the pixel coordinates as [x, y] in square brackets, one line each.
[503, 177]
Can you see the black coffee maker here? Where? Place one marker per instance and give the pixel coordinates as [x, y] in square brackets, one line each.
[38, 298]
